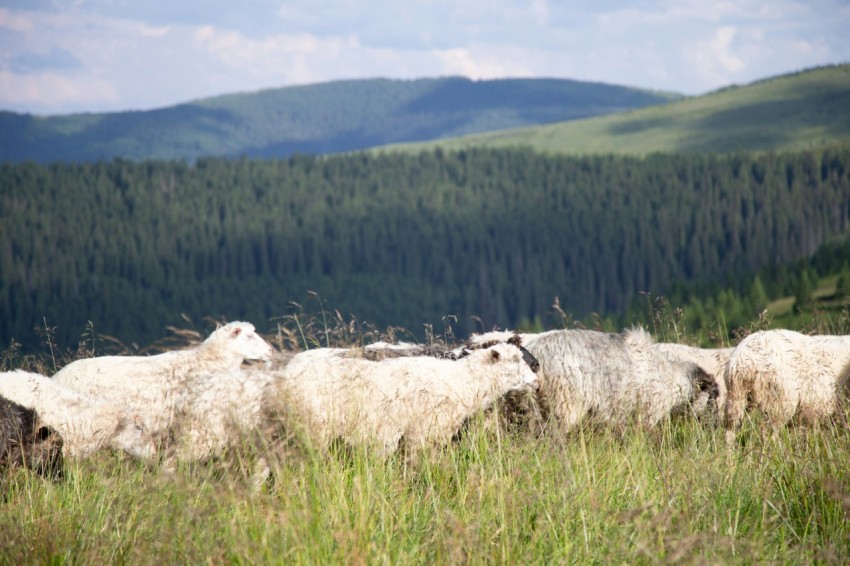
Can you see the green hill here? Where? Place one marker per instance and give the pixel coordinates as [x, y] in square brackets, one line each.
[801, 110]
[315, 119]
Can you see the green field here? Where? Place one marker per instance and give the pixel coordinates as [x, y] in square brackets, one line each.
[783, 305]
[671, 495]
[501, 494]
[803, 110]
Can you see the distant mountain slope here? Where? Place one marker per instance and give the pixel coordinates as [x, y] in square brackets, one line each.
[801, 110]
[321, 118]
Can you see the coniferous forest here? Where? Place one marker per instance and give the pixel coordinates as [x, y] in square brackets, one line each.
[491, 237]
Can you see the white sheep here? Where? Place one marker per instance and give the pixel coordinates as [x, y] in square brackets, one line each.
[667, 385]
[157, 386]
[25, 442]
[713, 361]
[786, 374]
[219, 412]
[86, 424]
[607, 378]
[423, 399]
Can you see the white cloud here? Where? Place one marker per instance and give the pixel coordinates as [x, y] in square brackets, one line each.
[477, 65]
[722, 48]
[51, 89]
[155, 53]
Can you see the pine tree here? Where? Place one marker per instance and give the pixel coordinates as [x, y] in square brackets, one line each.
[842, 288]
[758, 295]
[804, 294]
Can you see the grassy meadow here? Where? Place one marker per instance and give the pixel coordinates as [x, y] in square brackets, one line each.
[500, 494]
[791, 112]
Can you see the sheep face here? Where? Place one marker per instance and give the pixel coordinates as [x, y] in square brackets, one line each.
[44, 455]
[510, 361]
[706, 392]
[706, 383]
[242, 339]
[25, 442]
[481, 341]
[132, 437]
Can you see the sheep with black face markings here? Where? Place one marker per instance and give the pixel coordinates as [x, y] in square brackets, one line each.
[421, 399]
[607, 378]
[158, 386]
[713, 361]
[86, 424]
[25, 442]
[667, 385]
[786, 374]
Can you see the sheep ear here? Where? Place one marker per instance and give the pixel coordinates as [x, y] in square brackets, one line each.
[494, 355]
[515, 340]
[236, 332]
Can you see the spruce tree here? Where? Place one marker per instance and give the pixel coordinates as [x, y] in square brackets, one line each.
[758, 296]
[804, 294]
[842, 288]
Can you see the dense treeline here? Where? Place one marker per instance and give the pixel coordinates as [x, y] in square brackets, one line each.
[394, 239]
[713, 311]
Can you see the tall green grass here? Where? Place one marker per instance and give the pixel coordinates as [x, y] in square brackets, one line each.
[675, 494]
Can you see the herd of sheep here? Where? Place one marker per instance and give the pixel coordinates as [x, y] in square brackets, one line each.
[194, 404]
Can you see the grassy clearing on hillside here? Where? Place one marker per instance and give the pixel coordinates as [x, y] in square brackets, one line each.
[792, 112]
[499, 495]
[829, 316]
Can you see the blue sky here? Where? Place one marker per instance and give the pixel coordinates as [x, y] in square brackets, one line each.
[68, 56]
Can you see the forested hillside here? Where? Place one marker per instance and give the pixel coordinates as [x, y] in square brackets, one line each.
[395, 240]
[791, 112]
[321, 118]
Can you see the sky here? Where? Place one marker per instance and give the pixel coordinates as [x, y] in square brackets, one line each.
[68, 56]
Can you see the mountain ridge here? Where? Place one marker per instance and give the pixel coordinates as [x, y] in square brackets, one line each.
[332, 117]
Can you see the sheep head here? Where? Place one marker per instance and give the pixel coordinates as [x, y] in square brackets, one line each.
[240, 338]
[490, 339]
[705, 382]
[509, 361]
[132, 437]
[42, 452]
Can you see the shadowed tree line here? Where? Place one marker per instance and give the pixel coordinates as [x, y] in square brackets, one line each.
[400, 240]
